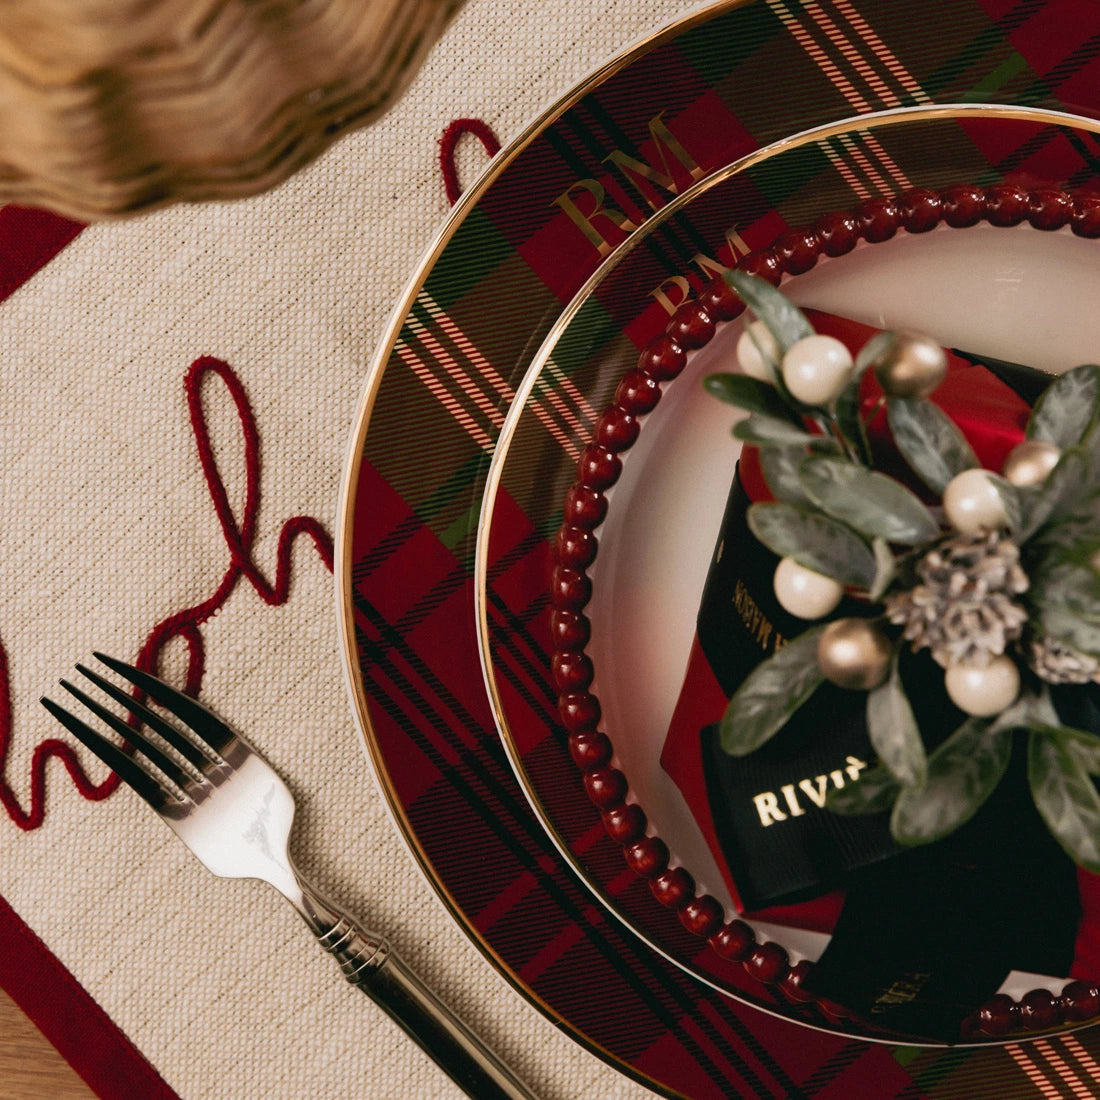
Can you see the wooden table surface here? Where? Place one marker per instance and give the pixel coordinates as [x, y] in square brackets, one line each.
[30, 1068]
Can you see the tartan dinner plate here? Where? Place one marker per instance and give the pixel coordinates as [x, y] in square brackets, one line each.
[1009, 292]
[671, 111]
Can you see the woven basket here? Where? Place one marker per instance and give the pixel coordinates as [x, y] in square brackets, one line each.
[109, 107]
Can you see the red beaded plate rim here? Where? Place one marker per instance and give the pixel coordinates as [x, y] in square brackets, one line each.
[691, 327]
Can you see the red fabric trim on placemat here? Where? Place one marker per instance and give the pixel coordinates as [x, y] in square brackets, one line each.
[63, 1011]
[29, 239]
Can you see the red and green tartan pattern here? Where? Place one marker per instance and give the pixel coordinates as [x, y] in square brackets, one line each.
[729, 83]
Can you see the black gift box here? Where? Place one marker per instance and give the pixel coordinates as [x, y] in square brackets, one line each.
[780, 843]
[926, 934]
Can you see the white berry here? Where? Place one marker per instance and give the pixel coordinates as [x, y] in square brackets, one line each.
[816, 369]
[757, 338]
[983, 690]
[972, 503]
[803, 592]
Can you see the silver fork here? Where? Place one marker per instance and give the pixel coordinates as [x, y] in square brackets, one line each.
[229, 806]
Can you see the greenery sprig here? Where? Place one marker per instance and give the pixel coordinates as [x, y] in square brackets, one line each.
[1000, 581]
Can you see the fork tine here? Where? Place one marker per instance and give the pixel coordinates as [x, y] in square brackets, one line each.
[154, 721]
[205, 725]
[153, 752]
[131, 773]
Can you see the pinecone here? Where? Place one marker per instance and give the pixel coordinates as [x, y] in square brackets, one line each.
[1058, 663]
[964, 608]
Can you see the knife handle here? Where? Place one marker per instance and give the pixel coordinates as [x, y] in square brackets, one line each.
[369, 963]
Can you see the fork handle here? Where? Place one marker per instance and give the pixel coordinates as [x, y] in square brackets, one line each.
[369, 963]
[441, 1034]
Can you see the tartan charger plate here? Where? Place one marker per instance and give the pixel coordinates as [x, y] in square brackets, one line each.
[1007, 291]
[697, 95]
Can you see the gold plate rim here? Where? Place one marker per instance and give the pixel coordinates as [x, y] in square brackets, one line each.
[871, 121]
[350, 480]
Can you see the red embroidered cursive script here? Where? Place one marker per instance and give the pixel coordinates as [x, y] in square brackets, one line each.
[239, 537]
[185, 624]
[448, 143]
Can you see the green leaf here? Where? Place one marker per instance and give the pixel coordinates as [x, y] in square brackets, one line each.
[1065, 797]
[1077, 529]
[750, 394]
[780, 468]
[1010, 498]
[962, 773]
[1076, 536]
[784, 320]
[1030, 709]
[893, 731]
[1071, 629]
[849, 407]
[772, 692]
[1030, 499]
[849, 420]
[1068, 408]
[1066, 583]
[872, 503]
[929, 440]
[874, 350]
[762, 429]
[873, 792]
[813, 540]
[886, 569]
[1084, 746]
[1065, 598]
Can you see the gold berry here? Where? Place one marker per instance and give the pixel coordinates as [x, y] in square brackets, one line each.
[854, 653]
[910, 366]
[1030, 462]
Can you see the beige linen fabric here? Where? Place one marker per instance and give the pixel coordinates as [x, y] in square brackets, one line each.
[108, 528]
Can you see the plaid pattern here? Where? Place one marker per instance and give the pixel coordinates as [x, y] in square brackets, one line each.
[743, 76]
